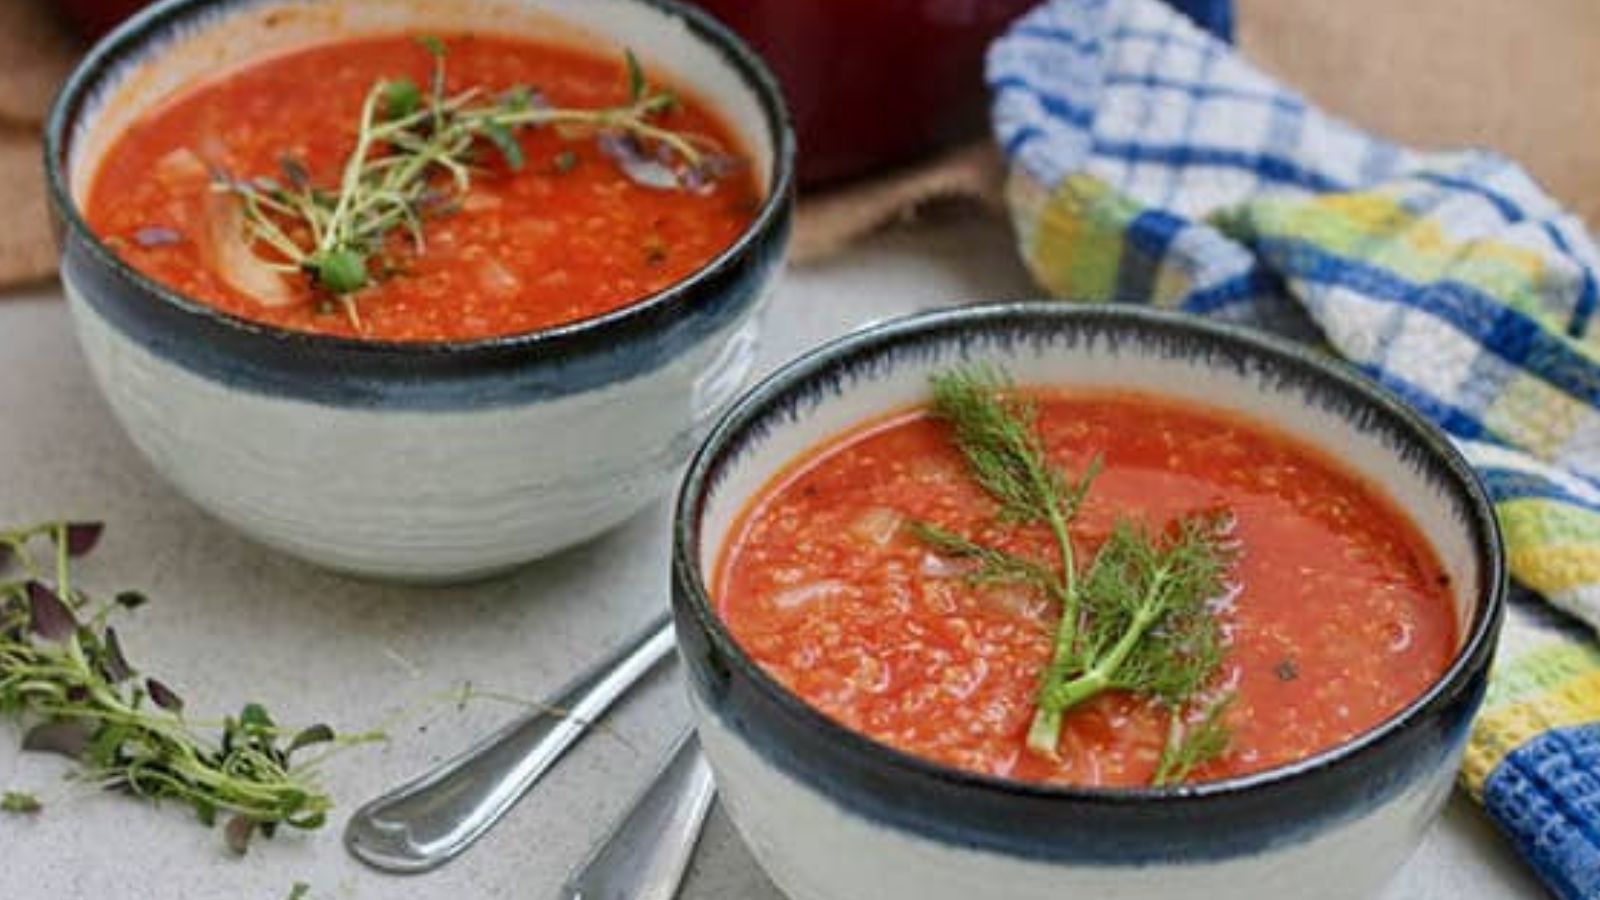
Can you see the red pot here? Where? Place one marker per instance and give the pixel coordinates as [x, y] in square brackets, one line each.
[872, 83]
[96, 17]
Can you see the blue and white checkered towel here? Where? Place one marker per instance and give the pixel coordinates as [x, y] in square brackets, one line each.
[1150, 163]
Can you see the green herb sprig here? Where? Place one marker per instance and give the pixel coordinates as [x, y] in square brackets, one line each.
[20, 803]
[414, 158]
[1137, 618]
[1191, 746]
[65, 677]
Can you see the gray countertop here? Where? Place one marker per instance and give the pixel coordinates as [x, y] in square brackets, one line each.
[230, 622]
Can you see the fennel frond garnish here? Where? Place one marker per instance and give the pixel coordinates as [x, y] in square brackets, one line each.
[1138, 616]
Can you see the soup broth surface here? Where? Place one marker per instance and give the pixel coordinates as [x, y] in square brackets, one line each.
[567, 237]
[1340, 616]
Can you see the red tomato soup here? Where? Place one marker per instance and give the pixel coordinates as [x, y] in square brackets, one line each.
[1342, 614]
[565, 237]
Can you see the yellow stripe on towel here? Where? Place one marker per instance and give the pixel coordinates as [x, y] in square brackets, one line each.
[1557, 686]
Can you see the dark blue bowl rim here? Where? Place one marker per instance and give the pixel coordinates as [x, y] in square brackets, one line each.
[1471, 659]
[129, 39]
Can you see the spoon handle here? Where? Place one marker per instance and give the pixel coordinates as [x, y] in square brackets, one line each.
[430, 820]
[647, 855]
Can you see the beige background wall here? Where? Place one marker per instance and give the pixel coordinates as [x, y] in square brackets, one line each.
[1520, 76]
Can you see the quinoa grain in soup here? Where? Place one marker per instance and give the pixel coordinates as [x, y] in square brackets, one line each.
[417, 189]
[1238, 600]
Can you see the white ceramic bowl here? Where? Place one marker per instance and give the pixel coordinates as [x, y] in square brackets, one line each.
[424, 462]
[833, 815]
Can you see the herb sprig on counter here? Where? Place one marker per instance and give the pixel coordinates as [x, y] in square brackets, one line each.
[20, 803]
[414, 158]
[65, 676]
[1138, 617]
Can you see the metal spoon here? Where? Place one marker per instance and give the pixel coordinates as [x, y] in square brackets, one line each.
[648, 853]
[429, 821]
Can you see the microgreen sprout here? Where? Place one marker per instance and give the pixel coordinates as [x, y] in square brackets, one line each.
[65, 677]
[415, 155]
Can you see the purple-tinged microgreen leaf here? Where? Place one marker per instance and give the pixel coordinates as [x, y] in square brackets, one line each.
[649, 173]
[433, 199]
[294, 172]
[82, 537]
[694, 180]
[238, 832]
[114, 665]
[719, 165]
[20, 803]
[639, 168]
[48, 616]
[619, 145]
[67, 737]
[163, 696]
[152, 236]
[316, 734]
